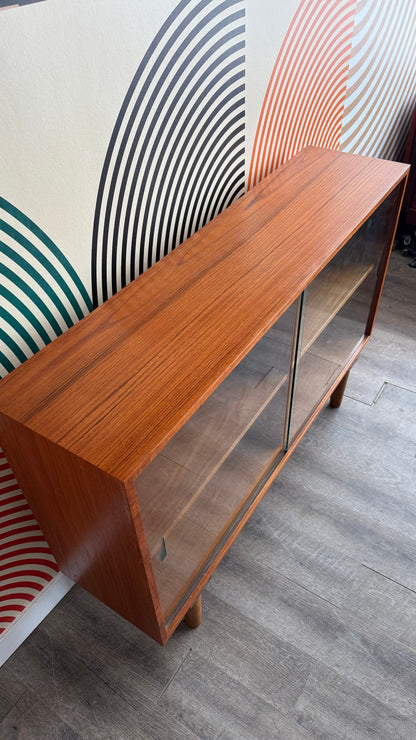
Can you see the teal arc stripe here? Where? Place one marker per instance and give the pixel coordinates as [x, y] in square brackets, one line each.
[20, 283]
[6, 362]
[26, 312]
[29, 224]
[17, 326]
[31, 270]
[9, 342]
[45, 262]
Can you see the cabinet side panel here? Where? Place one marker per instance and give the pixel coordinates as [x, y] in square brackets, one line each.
[86, 519]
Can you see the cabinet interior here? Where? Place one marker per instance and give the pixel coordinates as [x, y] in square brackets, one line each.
[196, 488]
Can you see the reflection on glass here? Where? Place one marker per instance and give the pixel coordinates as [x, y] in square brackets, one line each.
[334, 314]
[194, 492]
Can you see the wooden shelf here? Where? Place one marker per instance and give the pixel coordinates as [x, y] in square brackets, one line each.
[327, 294]
[333, 328]
[207, 471]
[198, 531]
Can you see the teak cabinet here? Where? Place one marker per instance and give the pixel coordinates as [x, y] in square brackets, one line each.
[145, 435]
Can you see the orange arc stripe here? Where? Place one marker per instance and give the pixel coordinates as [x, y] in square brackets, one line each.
[315, 51]
[271, 90]
[323, 89]
[273, 139]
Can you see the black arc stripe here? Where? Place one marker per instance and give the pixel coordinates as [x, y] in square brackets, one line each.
[176, 154]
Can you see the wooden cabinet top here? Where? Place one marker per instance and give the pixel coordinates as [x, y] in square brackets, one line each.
[114, 388]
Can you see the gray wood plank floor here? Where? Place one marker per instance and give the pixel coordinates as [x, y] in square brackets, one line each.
[309, 623]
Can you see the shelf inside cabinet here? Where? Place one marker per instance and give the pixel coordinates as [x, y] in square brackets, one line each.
[206, 473]
[327, 294]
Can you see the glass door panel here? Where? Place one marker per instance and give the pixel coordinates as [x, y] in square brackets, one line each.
[334, 314]
[196, 490]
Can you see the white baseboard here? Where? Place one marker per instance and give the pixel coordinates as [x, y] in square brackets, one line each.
[32, 615]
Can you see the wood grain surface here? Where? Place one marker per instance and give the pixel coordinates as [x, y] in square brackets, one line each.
[117, 386]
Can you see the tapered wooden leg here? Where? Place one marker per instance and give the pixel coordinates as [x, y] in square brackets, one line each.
[337, 396]
[193, 616]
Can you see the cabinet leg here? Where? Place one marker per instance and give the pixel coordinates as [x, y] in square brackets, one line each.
[337, 395]
[193, 616]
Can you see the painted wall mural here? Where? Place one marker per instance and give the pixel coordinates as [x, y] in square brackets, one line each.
[176, 155]
[127, 126]
[304, 101]
[41, 294]
[381, 85]
[26, 563]
[40, 297]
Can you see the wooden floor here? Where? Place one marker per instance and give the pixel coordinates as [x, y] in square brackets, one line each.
[309, 624]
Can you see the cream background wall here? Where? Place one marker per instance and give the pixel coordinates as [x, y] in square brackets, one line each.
[263, 41]
[381, 84]
[66, 67]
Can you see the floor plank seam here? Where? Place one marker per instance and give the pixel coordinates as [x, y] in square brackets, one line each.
[52, 659]
[90, 670]
[299, 585]
[372, 696]
[276, 536]
[357, 400]
[388, 578]
[268, 661]
[3, 720]
[173, 676]
[355, 430]
[295, 559]
[401, 387]
[107, 683]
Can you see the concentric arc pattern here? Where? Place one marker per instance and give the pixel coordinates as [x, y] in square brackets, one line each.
[40, 297]
[176, 155]
[381, 86]
[304, 101]
[26, 563]
[40, 292]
